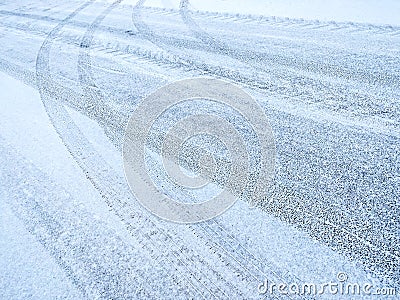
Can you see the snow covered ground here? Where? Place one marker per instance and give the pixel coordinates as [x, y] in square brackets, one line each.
[71, 74]
[363, 11]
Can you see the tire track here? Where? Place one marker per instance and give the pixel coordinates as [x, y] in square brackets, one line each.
[96, 97]
[95, 106]
[86, 80]
[60, 120]
[93, 256]
[216, 45]
[105, 184]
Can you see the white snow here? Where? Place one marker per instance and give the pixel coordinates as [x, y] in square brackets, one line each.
[363, 11]
[30, 272]
[100, 231]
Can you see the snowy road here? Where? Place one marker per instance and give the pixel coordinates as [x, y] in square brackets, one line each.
[72, 74]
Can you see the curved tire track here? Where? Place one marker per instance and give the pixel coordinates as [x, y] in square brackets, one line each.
[87, 80]
[109, 186]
